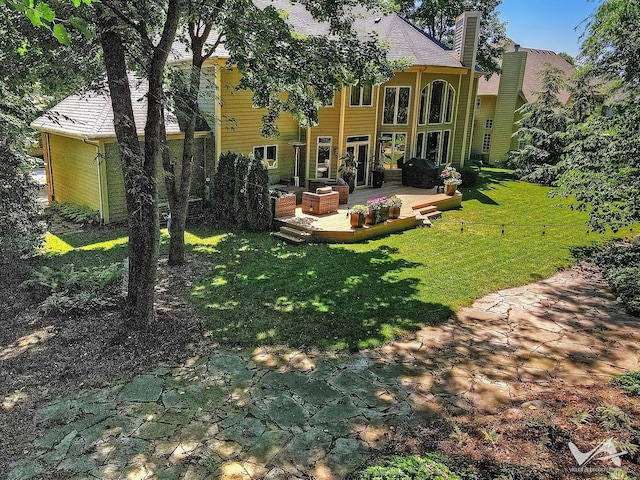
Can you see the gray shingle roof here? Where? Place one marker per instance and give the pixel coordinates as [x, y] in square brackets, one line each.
[405, 40]
[89, 114]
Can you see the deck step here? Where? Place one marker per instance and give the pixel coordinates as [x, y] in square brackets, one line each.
[394, 176]
[433, 215]
[289, 239]
[428, 209]
[292, 235]
[422, 220]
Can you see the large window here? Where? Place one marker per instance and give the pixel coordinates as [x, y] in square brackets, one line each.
[268, 154]
[323, 157]
[396, 105]
[362, 96]
[394, 148]
[434, 146]
[440, 104]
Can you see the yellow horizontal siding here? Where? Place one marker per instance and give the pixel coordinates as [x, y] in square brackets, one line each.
[513, 66]
[115, 179]
[74, 166]
[487, 111]
[241, 125]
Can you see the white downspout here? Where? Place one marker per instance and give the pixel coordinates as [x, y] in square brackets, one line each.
[97, 145]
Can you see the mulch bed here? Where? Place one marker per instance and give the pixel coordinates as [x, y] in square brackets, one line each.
[59, 355]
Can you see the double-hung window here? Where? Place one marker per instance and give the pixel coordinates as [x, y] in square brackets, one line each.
[361, 96]
[268, 154]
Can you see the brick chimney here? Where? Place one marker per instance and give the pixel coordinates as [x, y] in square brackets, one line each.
[466, 38]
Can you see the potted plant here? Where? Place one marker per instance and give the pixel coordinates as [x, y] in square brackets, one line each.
[451, 179]
[378, 210]
[358, 215]
[394, 204]
[348, 170]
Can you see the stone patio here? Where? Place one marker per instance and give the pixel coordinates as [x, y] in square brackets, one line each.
[275, 413]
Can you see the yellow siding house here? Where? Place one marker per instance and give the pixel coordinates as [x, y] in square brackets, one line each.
[500, 96]
[424, 111]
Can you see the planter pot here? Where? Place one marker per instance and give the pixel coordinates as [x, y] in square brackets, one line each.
[351, 181]
[394, 212]
[450, 189]
[372, 218]
[384, 214]
[378, 178]
[357, 220]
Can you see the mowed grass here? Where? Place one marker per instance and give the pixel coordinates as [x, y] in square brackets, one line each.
[260, 291]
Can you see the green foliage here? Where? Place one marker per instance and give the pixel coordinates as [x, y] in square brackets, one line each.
[431, 466]
[629, 382]
[76, 213]
[601, 169]
[491, 436]
[612, 417]
[74, 290]
[580, 418]
[21, 230]
[620, 263]
[612, 42]
[542, 174]
[310, 68]
[469, 176]
[258, 199]
[437, 18]
[241, 194]
[542, 126]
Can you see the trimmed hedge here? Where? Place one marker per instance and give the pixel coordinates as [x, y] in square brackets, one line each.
[240, 194]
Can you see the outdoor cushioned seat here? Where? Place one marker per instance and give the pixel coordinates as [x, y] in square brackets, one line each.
[320, 203]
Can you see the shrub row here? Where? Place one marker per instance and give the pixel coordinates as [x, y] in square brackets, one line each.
[620, 264]
[241, 194]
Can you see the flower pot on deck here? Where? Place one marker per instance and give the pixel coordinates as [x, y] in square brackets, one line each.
[394, 212]
[451, 189]
[357, 220]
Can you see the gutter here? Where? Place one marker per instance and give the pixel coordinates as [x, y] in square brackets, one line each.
[100, 192]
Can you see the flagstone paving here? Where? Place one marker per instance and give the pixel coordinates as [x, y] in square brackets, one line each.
[276, 413]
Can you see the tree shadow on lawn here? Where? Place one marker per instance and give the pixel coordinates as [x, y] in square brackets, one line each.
[487, 180]
[260, 292]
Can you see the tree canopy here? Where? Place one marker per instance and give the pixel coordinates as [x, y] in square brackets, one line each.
[437, 18]
[601, 168]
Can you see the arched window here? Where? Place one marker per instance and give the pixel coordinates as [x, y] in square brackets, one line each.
[439, 109]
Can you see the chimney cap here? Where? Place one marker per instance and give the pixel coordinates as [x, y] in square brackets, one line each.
[516, 47]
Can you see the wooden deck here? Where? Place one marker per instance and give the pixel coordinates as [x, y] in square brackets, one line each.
[335, 227]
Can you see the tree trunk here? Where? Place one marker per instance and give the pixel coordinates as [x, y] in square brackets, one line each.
[139, 187]
[139, 170]
[179, 193]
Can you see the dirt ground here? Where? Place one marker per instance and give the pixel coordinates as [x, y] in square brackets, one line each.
[42, 358]
[45, 357]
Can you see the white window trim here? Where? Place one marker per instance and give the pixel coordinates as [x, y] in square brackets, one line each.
[423, 153]
[395, 111]
[393, 136]
[264, 160]
[326, 144]
[333, 101]
[360, 98]
[427, 102]
[443, 103]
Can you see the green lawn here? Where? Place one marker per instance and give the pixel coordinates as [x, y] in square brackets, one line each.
[348, 297]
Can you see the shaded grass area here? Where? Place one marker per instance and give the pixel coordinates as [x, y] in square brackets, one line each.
[348, 297]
